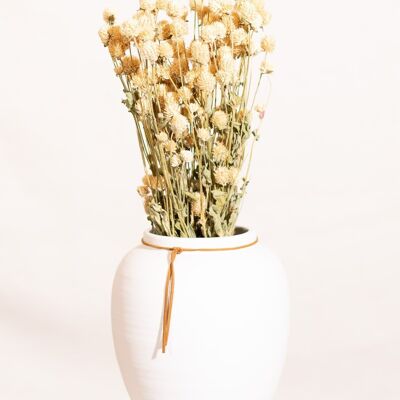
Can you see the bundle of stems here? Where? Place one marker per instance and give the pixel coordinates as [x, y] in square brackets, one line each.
[186, 76]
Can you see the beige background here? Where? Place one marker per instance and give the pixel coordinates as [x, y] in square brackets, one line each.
[325, 194]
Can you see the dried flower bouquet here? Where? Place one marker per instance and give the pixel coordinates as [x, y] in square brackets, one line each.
[193, 105]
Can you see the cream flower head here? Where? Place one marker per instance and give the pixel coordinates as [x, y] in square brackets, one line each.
[117, 50]
[203, 134]
[147, 5]
[166, 50]
[109, 16]
[162, 137]
[175, 161]
[239, 36]
[223, 176]
[187, 156]
[220, 153]
[249, 14]
[219, 30]
[184, 93]
[268, 44]
[149, 51]
[163, 72]
[179, 27]
[205, 81]
[200, 52]
[171, 107]
[175, 10]
[225, 77]
[144, 26]
[221, 6]
[219, 119]
[129, 29]
[208, 33]
[162, 4]
[104, 35]
[170, 146]
[179, 124]
[230, 22]
[146, 33]
[190, 77]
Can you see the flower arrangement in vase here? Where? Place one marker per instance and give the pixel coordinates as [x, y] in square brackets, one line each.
[191, 77]
[186, 74]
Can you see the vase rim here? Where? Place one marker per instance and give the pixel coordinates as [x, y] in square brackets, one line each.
[242, 237]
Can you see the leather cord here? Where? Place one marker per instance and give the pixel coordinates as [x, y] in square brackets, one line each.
[170, 281]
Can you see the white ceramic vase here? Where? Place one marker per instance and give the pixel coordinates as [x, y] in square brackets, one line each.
[229, 323]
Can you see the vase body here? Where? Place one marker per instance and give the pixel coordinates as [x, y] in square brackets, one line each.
[229, 324]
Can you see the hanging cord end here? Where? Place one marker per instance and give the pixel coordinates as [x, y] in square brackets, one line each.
[169, 296]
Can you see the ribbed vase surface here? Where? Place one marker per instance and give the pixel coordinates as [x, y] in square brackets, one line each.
[229, 322]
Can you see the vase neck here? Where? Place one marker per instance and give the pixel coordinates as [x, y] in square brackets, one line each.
[243, 237]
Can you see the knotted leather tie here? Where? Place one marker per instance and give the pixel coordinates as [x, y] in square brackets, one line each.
[170, 281]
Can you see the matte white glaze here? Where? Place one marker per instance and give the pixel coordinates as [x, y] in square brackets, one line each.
[229, 320]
